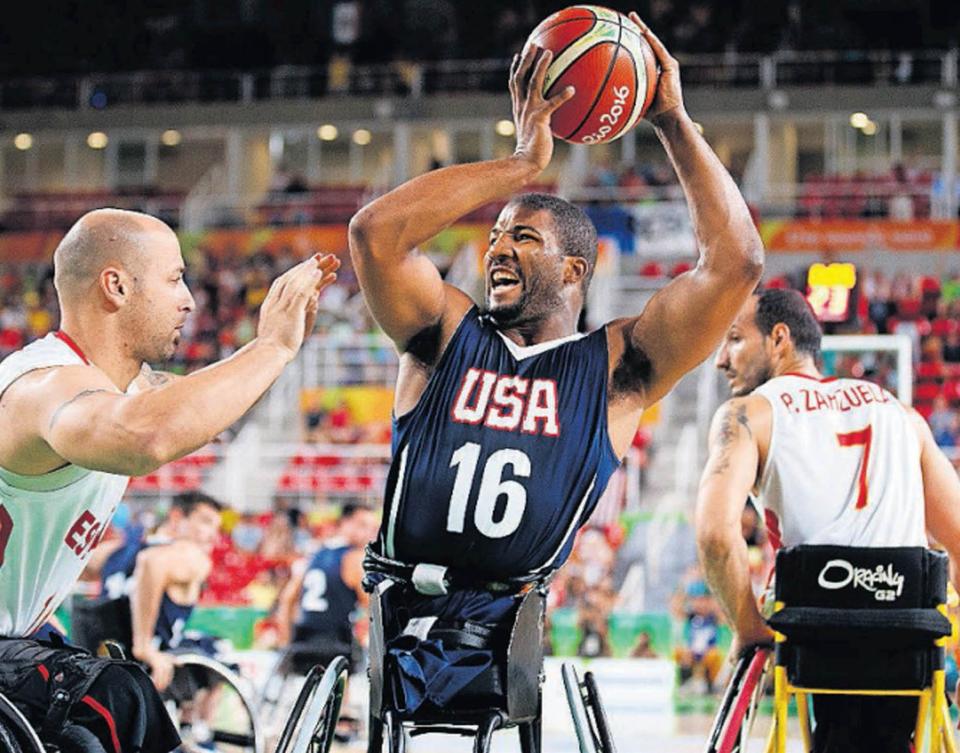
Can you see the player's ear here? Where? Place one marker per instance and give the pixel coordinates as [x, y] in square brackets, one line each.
[574, 270]
[115, 285]
[780, 334]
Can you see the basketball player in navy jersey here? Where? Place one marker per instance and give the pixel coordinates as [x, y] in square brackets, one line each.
[163, 575]
[508, 423]
[318, 603]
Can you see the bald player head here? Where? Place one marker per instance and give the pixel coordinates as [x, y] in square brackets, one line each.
[124, 269]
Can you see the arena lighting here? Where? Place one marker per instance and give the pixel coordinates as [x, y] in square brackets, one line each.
[859, 119]
[170, 137]
[870, 129]
[23, 141]
[361, 137]
[97, 140]
[327, 132]
[505, 127]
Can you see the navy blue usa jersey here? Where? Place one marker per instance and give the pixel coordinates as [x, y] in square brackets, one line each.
[326, 602]
[504, 456]
[116, 580]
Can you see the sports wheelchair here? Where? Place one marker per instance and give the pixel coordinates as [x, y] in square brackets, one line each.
[298, 660]
[849, 621]
[505, 694]
[17, 736]
[106, 627]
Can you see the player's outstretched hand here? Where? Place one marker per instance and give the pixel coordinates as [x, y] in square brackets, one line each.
[531, 111]
[669, 97]
[289, 311]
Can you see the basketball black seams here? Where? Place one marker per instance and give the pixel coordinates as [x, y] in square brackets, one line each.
[606, 79]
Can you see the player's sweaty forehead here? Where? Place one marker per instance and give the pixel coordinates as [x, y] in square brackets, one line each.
[516, 220]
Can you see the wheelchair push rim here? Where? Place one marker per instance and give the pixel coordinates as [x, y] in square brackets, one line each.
[317, 709]
[16, 726]
[739, 702]
[254, 741]
[586, 709]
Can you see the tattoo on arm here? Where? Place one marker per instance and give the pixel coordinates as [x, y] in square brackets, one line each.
[71, 401]
[155, 378]
[727, 433]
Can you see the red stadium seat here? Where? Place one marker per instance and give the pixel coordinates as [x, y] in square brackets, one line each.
[926, 390]
[929, 370]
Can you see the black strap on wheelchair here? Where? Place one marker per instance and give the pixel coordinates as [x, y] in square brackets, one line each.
[71, 676]
[463, 635]
[375, 563]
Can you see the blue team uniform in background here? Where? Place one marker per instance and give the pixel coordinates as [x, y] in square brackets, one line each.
[116, 579]
[499, 464]
[326, 602]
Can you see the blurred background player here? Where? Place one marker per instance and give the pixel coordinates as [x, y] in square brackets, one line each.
[161, 578]
[509, 395]
[319, 608]
[163, 575]
[318, 605]
[831, 461]
[80, 411]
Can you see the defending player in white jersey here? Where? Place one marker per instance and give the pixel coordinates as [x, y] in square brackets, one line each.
[831, 461]
[80, 412]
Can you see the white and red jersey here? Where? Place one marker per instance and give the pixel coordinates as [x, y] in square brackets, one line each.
[49, 524]
[843, 466]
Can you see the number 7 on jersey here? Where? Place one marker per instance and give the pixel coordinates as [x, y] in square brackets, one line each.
[862, 437]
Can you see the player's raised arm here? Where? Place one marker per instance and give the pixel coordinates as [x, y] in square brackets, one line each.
[683, 323]
[401, 286]
[728, 477]
[82, 416]
[941, 493]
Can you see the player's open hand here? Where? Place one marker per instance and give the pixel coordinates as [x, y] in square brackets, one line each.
[669, 98]
[289, 311]
[531, 111]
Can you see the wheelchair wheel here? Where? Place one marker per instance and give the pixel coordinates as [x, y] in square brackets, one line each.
[731, 727]
[236, 703]
[313, 720]
[16, 734]
[75, 739]
[589, 718]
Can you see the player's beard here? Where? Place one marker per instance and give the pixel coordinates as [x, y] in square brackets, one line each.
[761, 373]
[537, 300]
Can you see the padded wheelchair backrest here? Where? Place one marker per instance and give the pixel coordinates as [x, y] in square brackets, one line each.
[92, 622]
[860, 618]
[861, 578]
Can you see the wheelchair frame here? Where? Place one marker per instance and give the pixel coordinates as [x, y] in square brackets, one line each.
[523, 679]
[932, 713]
[16, 733]
[922, 618]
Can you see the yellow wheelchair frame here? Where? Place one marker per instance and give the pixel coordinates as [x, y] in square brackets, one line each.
[932, 713]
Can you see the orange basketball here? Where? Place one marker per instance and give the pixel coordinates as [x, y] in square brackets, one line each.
[603, 55]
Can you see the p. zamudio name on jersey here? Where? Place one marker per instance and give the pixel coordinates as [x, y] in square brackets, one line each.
[843, 398]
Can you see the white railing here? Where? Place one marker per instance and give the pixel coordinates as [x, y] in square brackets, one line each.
[740, 70]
